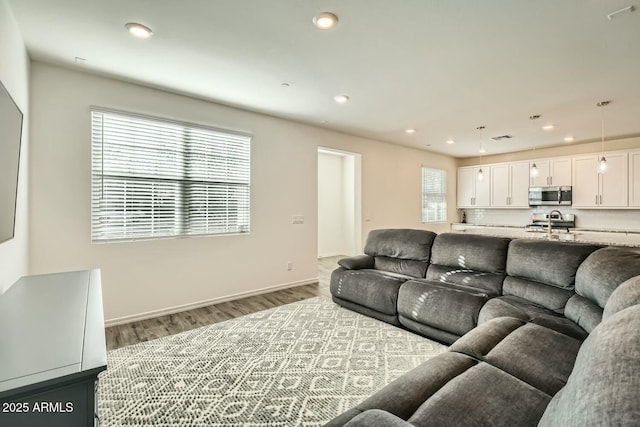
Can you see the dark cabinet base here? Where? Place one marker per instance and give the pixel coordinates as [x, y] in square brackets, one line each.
[71, 405]
[52, 349]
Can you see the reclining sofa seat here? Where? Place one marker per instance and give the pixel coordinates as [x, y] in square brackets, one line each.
[541, 277]
[510, 372]
[466, 270]
[369, 284]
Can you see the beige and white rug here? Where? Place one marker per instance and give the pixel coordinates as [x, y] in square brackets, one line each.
[298, 364]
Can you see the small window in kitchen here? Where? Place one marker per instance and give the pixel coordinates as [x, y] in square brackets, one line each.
[434, 195]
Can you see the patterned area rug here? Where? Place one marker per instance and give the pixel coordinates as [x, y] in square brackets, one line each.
[298, 364]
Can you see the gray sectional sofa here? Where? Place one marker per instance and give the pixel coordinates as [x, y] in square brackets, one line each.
[541, 332]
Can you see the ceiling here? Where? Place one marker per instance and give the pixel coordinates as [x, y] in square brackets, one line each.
[441, 67]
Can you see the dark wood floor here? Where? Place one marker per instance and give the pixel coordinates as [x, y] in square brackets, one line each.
[144, 330]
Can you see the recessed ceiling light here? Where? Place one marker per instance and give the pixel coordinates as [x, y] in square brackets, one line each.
[568, 139]
[548, 127]
[450, 141]
[482, 150]
[325, 20]
[341, 99]
[410, 131]
[138, 30]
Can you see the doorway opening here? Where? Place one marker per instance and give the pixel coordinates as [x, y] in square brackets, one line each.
[339, 200]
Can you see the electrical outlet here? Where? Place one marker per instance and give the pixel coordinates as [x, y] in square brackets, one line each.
[289, 265]
[297, 219]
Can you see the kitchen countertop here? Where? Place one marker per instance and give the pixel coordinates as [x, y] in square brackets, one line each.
[607, 237]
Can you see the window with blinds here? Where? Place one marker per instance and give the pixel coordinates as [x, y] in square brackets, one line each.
[156, 178]
[434, 195]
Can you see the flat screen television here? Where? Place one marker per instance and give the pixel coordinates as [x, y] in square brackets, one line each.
[10, 136]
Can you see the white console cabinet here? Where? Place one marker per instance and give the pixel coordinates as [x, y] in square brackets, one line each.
[52, 348]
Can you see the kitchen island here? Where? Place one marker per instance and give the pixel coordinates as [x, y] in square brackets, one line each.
[607, 237]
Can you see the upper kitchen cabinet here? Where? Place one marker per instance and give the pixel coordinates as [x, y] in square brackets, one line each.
[473, 192]
[556, 172]
[509, 185]
[634, 178]
[594, 190]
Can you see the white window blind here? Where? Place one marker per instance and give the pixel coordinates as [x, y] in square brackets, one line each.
[434, 195]
[156, 178]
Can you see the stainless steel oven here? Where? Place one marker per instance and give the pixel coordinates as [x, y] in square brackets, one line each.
[556, 196]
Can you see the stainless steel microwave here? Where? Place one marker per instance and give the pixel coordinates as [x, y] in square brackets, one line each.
[557, 196]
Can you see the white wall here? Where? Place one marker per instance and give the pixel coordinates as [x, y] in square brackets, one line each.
[148, 276]
[351, 189]
[14, 74]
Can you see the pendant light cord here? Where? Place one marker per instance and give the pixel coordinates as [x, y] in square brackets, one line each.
[602, 128]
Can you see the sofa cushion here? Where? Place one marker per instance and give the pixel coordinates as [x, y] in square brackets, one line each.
[370, 288]
[603, 388]
[583, 312]
[547, 262]
[428, 331]
[536, 355]
[549, 297]
[488, 282]
[403, 396]
[449, 307]
[604, 270]
[377, 417]
[483, 395]
[400, 243]
[408, 267]
[625, 295]
[470, 252]
[521, 309]
[596, 279]
[481, 340]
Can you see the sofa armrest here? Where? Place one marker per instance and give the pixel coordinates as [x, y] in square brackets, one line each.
[357, 262]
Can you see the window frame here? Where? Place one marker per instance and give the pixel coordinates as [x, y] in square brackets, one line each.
[183, 211]
[442, 195]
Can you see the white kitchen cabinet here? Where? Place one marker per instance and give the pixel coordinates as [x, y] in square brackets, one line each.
[509, 185]
[472, 192]
[594, 190]
[556, 172]
[634, 178]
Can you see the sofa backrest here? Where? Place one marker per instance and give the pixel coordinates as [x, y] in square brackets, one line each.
[469, 259]
[626, 295]
[544, 272]
[402, 251]
[602, 389]
[596, 279]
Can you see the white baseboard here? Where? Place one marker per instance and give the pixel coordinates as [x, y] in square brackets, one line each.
[194, 305]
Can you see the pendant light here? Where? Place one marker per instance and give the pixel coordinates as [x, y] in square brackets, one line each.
[534, 168]
[482, 150]
[602, 163]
